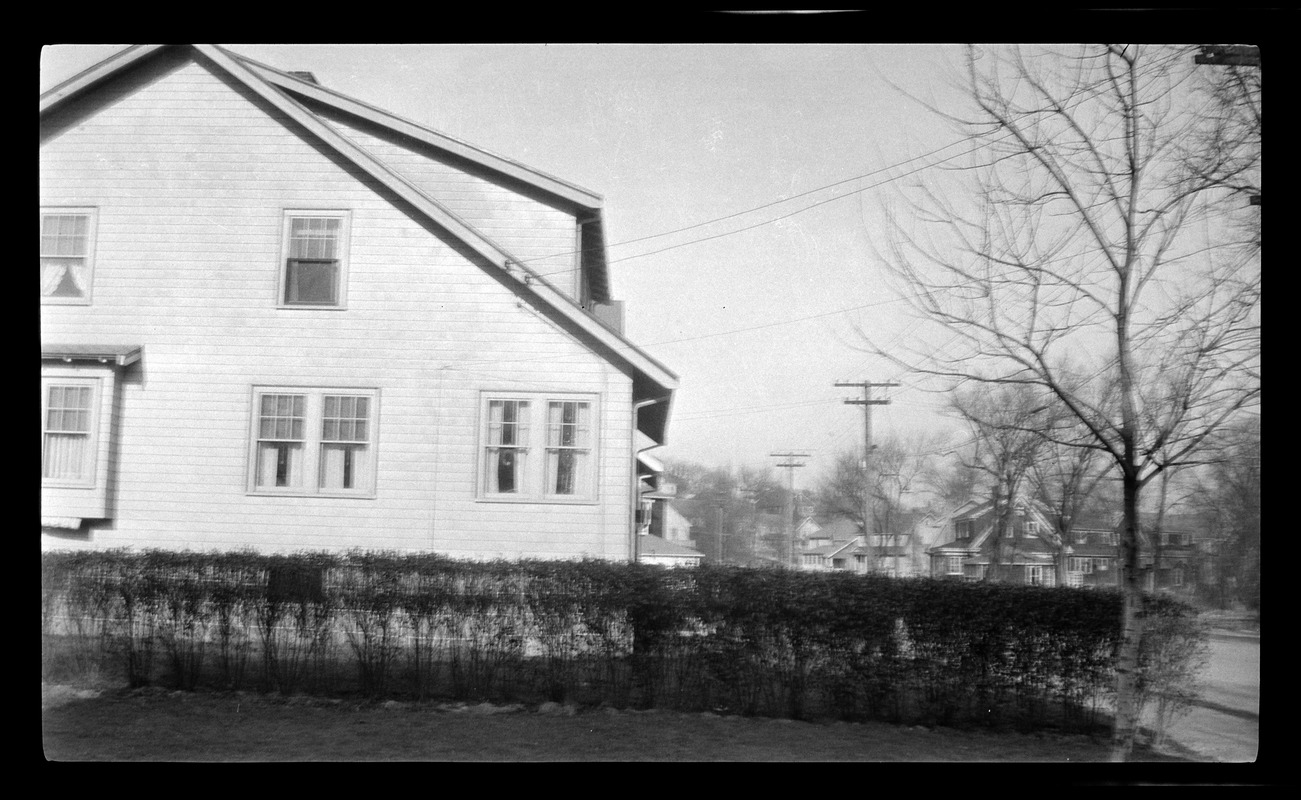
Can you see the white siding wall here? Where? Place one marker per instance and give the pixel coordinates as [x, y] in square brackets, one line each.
[542, 236]
[191, 178]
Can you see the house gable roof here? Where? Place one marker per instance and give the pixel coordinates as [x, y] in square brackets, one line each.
[651, 379]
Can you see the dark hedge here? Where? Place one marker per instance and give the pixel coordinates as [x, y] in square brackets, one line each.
[766, 642]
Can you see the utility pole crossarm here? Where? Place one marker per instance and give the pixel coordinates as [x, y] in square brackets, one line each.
[791, 464]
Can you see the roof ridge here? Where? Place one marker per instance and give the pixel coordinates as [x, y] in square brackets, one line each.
[310, 87]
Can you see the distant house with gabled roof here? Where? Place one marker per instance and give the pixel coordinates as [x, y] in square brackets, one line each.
[1031, 551]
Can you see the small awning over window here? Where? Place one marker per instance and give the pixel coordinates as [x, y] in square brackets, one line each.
[117, 354]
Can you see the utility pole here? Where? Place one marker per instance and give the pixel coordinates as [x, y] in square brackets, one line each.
[718, 508]
[790, 464]
[867, 402]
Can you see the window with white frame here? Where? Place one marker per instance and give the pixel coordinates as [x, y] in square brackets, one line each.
[1031, 527]
[314, 266]
[1034, 575]
[1083, 566]
[537, 447]
[953, 565]
[69, 431]
[67, 254]
[314, 441]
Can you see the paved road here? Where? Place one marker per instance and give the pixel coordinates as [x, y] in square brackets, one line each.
[1224, 725]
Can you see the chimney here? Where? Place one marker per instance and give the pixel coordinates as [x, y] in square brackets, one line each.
[303, 75]
[610, 314]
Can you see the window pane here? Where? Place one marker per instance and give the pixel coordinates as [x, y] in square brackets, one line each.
[282, 416]
[64, 456]
[345, 466]
[568, 458]
[68, 409]
[344, 419]
[279, 464]
[311, 282]
[314, 237]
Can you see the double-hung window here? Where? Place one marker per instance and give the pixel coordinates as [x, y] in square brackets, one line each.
[537, 447]
[314, 441]
[314, 259]
[569, 448]
[69, 444]
[67, 251]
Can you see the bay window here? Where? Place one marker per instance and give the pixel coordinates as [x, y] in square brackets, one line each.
[69, 445]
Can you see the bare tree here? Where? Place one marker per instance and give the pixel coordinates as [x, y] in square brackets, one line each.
[1083, 261]
[900, 464]
[1227, 497]
[1225, 151]
[1007, 422]
[1066, 478]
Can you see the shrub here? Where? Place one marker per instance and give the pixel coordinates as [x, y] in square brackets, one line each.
[770, 642]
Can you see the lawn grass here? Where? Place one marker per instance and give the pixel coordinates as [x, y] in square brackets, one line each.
[159, 725]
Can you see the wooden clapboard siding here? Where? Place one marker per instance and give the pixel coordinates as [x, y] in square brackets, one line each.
[191, 175]
[540, 235]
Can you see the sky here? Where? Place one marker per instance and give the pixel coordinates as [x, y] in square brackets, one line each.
[743, 186]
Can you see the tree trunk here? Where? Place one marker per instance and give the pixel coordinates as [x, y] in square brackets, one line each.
[1131, 629]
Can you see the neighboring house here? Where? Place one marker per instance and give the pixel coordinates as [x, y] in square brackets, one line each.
[840, 544]
[677, 528]
[1030, 551]
[1094, 553]
[654, 550]
[1025, 553]
[274, 317]
[806, 530]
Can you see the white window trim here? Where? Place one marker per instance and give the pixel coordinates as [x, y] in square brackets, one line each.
[91, 228]
[536, 460]
[92, 448]
[312, 441]
[345, 239]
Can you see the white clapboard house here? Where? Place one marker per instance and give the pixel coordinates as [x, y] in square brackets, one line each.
[278, 318]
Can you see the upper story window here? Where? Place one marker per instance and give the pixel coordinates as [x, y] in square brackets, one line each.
[1031, 527]
[314, 264]
[314, 441]
[537, 448]
[69, 431]
[962, 529]
[67, 254]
